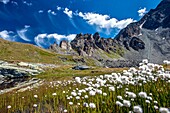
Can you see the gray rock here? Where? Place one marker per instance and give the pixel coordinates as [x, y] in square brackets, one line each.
[81, 67]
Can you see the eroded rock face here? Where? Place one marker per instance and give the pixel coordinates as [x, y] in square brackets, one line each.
[64, 44]
[86, 44]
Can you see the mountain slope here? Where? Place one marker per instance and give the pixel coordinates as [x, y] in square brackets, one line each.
[15, 51]
[149, 37]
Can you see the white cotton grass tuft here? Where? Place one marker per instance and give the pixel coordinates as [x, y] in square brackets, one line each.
[86, 96]
[147, 101]
[74, 94]
[77, 97]
[35, 105]
[70, 103]
[126, 103]
[78, 79]
[85, 104]
[104, 94]
[65, 111]
[35, 96]
[119, 97]
[155, 107]
[9, 107]
[54, 94]
[142, 94]
[119, 103]
[92, 105]
[92, 93]
[111, 88]
[137, 109]
[164, 110]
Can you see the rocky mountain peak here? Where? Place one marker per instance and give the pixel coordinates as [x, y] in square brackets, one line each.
[150, 36]
[86, 44]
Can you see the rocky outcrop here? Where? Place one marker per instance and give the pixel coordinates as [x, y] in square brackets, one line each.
[86, 44]
[64, 44]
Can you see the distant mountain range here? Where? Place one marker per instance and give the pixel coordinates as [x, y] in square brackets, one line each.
[149, 38]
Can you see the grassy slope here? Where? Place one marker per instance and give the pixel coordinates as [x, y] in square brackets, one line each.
[14, 51]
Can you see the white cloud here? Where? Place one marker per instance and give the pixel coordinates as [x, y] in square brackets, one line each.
[45, 40]
[142, 12]
[58, 8]
[68, 12]
[22, 33]
[104, 21]
[28, 4]
[13, 2]
[5, 1]
[52, 12]
[8, 35]
[40, 11]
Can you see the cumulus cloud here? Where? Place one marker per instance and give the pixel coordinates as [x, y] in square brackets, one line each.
[58, 8]
[142, 12]
[22, 33]
[104, 21]
[45, 40]
[5, 1]
[68, 12]
[7, 35]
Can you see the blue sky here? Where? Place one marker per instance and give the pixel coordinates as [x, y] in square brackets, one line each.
[41, 22]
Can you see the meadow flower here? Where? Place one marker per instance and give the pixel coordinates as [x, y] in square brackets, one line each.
[74, 94]
[137, 109]
[68, 98]
[126, 103]
[78, 79]
[92, 105]
[104, 94]
[35, 105]
[120, 97]
[86, 96]
[111, 88]
[85, 104]
[147, 101]
[79, 93]
[54, 94]
[70, 103]
[164, 110]
[35, 96]
[149, 98]
[65, 111]
[9, 107]
[77, 97]
[142, 94]
[155, 102]
[92, 93]
[119, 103]
[131, 94]
[78, 104]
[99, 91]
[156, 107]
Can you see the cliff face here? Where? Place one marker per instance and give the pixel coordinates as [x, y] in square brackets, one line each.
[149, 37]
[88, 44]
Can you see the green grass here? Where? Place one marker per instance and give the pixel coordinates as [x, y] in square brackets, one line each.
[66, 72]
[23, 101]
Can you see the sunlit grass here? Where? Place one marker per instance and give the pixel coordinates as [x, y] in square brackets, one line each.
[93, 94]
